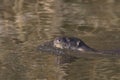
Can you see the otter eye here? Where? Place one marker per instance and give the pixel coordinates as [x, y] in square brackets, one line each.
[58, 40]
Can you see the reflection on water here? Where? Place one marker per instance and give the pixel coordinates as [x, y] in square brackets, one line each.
[98, 69]
[25, 24]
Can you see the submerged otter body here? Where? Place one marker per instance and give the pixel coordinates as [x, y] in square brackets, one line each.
[72, 43]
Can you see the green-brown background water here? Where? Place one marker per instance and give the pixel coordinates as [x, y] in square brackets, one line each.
[25, 24]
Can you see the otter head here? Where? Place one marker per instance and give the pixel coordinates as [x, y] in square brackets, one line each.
[70, 43]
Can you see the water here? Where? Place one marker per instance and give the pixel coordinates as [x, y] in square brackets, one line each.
[25, 24]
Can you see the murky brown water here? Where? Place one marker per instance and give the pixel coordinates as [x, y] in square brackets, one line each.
[25, 24]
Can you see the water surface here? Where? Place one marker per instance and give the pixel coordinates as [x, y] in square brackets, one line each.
[25, 24]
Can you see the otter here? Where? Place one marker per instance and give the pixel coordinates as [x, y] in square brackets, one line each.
[74, 44]
[71, 43]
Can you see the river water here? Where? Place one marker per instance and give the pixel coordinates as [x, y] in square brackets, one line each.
[25, 24]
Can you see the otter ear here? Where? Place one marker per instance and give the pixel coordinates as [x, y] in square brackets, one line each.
[78, 42]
